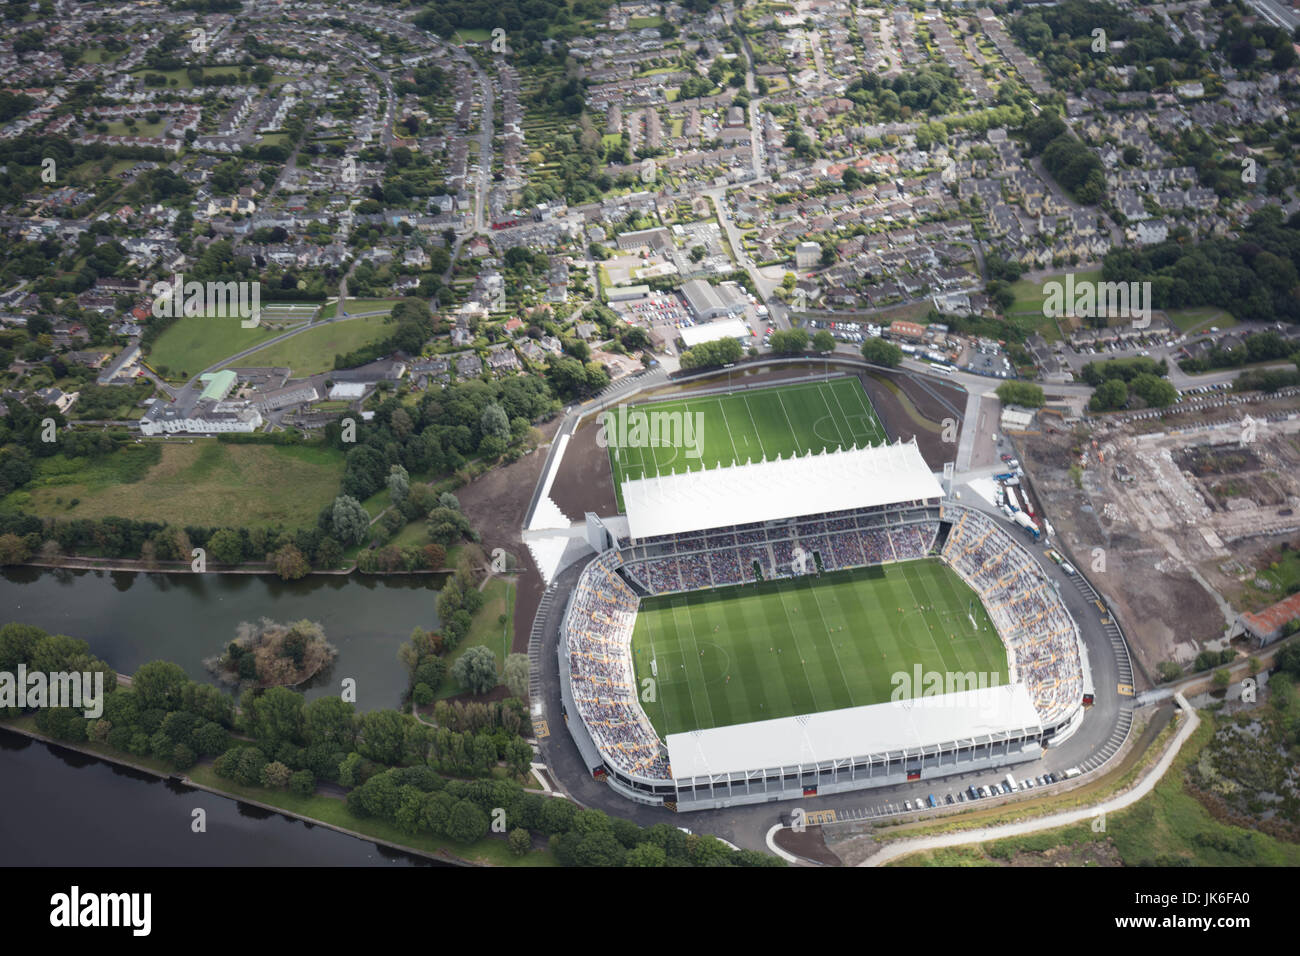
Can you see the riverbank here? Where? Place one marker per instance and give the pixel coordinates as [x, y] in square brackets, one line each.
[329, 810]
[75, 563]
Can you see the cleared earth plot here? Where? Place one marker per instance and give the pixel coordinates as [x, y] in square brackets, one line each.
[789, 647]
[732, 429]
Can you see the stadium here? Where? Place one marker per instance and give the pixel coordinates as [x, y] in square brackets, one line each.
[793, 607]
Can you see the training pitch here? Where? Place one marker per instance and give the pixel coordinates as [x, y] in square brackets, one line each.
[799, 646]
[740, 426]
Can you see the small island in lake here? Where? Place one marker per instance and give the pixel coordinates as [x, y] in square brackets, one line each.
[271, 654]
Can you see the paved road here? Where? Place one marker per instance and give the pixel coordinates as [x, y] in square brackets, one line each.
[904, 847]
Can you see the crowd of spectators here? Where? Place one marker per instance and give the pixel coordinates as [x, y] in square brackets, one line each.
[826, 542]
[1024, 607]
[599, 635]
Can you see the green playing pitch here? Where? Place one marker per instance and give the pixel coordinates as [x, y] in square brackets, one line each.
[788, 647]
[748, 425]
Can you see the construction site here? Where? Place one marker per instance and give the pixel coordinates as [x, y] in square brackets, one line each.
[1177, 519]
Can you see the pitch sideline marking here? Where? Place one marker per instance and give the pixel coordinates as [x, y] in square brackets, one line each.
[790, 423]
[780, 593]
[848, 685]
[695, 645]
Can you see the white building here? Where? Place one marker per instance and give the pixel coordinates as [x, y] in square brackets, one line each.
[205, 418]
[807, 255]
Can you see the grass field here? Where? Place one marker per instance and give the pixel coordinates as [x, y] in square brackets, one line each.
[789, 647]
[748, 425]
[190, 345]
[1201, 319]
[1028, 307]
[313, 351]
[486, 630]
[204, 483]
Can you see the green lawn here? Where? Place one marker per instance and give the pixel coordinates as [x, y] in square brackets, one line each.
[192, 344]
[1201, 319]
[1028, 307]
[203, 483]
[486, 630]
[789, 647]
[732, 429]
[313, 351]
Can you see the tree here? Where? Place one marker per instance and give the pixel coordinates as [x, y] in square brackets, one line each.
[823, 341]
[494, 422]
[303, 783]
[158, 684]
[329, 720]
[447, 527]
[13, 549]
[399, 484]
[276, 775]
[290, 563]
[350, 520]
[1222, 678]
[476, 670]
[646, 854]
[879, 352]
[519, 841]
[789, 341]
[1110, 394]
[516, 675]
[382, 734]
[466, 822]
[275, 718]
[1021, 393]
[226, 547]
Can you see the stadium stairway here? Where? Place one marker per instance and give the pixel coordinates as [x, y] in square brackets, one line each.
[1123, 722]
[1113, 633]
[535, 644]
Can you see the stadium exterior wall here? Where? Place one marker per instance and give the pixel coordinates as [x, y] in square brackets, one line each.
[773, 784]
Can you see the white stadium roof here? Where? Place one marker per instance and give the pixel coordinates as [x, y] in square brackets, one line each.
[924, 722]
[777, 489]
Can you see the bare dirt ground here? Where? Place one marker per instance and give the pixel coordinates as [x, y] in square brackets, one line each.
[808, 844]
[1159, 607]
[1169, 516]
[584, 482]
[497, 504]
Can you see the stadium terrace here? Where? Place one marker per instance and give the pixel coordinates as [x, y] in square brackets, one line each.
[868, 517]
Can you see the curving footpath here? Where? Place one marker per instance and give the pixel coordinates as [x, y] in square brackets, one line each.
[984, 834]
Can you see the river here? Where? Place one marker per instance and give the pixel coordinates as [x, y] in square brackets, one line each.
[130, 618]
[58, 807]
[62, 808]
